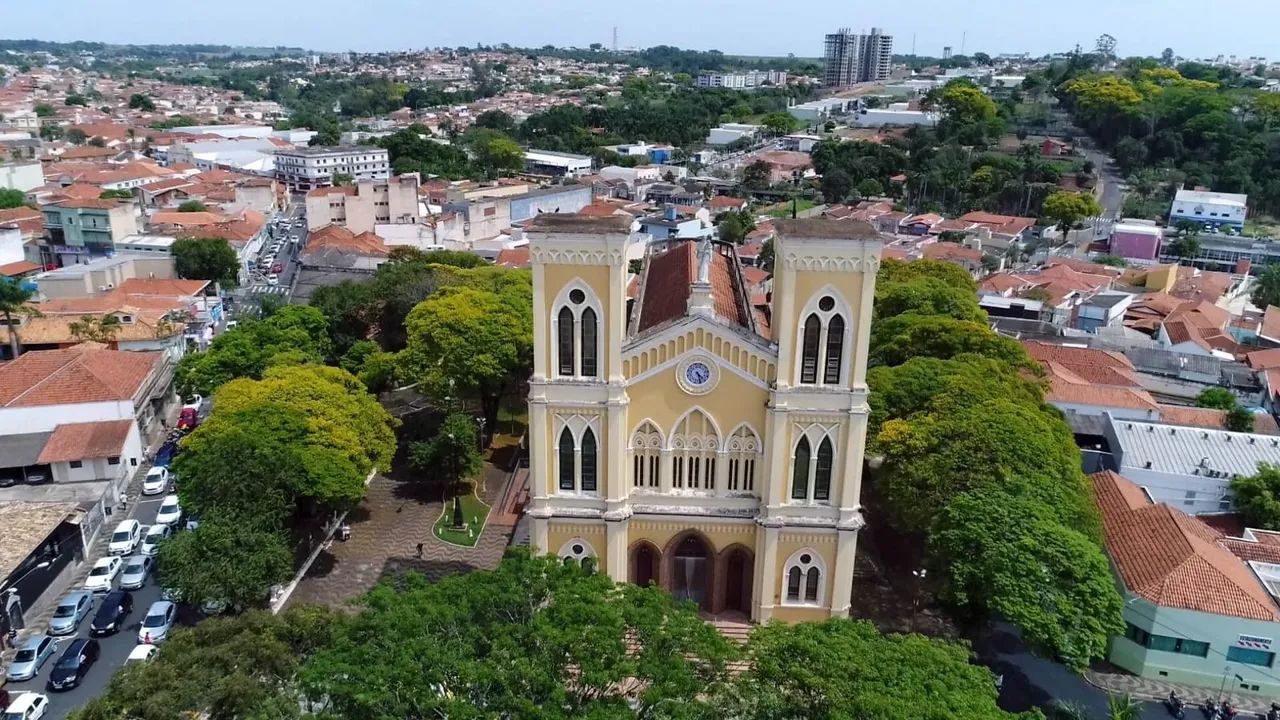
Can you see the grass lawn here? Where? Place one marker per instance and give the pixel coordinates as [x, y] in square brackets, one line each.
[783, 210]
[1262, 226]
[473, 510]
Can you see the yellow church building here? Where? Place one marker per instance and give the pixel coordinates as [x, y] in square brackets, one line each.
[689, 438]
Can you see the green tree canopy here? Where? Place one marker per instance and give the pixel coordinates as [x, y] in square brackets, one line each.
[897, 339]
[904, 390]
[1257, 497]
[847, 669]
[224, 562]
[1068, 208]
[1217, 398]
[1266, 288]
[1008, 555]
[453, 453]
[533, 638]
[211, 259]
[756, 176]
[139, 101]
[10, 198]
[293, 335]
[928, 296]
[495, 151]
[234, 668]
[14, 299]
[779, 123]
[472, 340]
[192, 206]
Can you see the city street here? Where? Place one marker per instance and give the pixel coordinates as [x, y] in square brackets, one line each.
[114, 648]
[287, 257]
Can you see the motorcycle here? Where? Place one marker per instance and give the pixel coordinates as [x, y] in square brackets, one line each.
[1210, 709]
[1175, 706]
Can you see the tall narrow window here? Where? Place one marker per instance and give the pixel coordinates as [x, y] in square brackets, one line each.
[646, 448]
[793, 584]
[800, 471]
[589, 343]
[822, 471]
[835, 349]
[566, 460]
[804, 572]
[811, 585]
[694, 443]
[565, 333]
[588, 461]
[809, 351]
[742, 448]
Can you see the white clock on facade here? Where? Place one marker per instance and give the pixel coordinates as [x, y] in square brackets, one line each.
[697, 375]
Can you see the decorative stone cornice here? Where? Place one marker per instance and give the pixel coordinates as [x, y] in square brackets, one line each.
[868, 262]
[576, 256]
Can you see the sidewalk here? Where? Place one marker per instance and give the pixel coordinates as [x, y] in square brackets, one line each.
[1118, 683]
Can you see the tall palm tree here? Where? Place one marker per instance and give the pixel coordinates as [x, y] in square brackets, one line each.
[13, 301]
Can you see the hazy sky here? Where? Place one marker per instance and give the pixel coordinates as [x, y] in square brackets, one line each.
[758, 27]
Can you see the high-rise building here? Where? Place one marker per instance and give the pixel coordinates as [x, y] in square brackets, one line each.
[857, 58]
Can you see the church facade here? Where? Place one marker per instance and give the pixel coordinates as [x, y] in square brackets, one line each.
[693, 436]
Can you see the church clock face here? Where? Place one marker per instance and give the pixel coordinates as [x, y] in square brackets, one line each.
[697, 375]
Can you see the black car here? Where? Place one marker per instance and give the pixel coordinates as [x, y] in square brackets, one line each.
[111, 615]
[75, 662]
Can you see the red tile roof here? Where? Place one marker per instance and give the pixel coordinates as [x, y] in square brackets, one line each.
[86, 441]
[1210, 418]
[15, 269]
[87, 204]
[1064, 391]
[951, 251]
[1175, 560]
[517, 257]
[1263, 359]
[163, 287]
[75, 375]
[1271, 324]
[669, 277]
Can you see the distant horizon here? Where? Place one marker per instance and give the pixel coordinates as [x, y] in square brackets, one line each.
[745, 27]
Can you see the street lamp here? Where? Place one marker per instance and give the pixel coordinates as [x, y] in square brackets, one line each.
[480, 420]
[458, 521]
[38, 566]
[920, 576]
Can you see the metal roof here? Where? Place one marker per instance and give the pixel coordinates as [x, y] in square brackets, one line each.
[22, 450]
[1182, 450]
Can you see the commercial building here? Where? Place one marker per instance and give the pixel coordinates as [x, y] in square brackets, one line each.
[80, 229]
[1188, 467]
[1212, 209]
[556, 164]
[851, 58]
[308, 168]
[1200, 606]
[696, 446]
[366, 204]
[556, 199]
[732, 132]
[742, 81]
[1136, 241]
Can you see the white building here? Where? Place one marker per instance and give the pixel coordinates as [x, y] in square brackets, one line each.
[154, 245]
[556, 164]
[21, 176]
[1213, 209]
[752, 79]
[731, 132]
[1189, 468]
[889, 116]
[308, 168]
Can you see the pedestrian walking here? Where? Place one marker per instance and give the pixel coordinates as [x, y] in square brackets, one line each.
[124, 502]
[419, 550]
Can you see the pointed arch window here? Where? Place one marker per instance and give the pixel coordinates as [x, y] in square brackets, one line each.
[800, 471]
[646, 456]
[804, 572]
[744, 452]
[566, 453]
[822, 471]
[589, 348]
[694, 445]
[577, 334]
[809, 350]
[589, 463]
[823, 343]
[565, 344]
[835, 350]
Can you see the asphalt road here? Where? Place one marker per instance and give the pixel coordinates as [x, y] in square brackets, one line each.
[113, 648]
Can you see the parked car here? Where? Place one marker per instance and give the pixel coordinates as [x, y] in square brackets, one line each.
[104, 573]
[116, 606]
[151, 541]
[31, 655]
[37, 477]
[27, 706]
[273, 279]
[125, 538]
[157, 479]
[142, 654]
[136, 571]
[277, 268]
[159, 620]
[169, 512]
[188, 418]
[71, 609]
[75, 662]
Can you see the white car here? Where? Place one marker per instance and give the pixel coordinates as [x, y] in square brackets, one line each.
[151, 541]
[142, 654]
[156, 481]
[169, 512]
[126, 537]
[158, 622]
[104, 573]
[135, 572]
[273, 279]
[196, 401]
[27, 706]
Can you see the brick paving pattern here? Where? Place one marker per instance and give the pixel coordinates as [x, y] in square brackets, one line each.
[1194, 696]
[385, 531]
